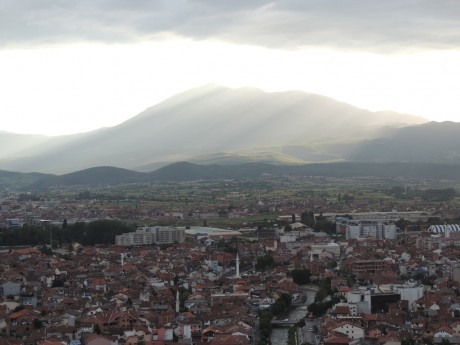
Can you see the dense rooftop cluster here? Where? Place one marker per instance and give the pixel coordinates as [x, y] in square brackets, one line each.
[375, 284]
[383, 290]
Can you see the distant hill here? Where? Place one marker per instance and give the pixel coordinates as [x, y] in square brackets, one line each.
[12, 180]
[287, 127]
[188, 171]
[431, 142]
[93, 177]
[185, 171]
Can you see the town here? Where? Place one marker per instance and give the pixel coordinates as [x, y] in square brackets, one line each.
[295, 261]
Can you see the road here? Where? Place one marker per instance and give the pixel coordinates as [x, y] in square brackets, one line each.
[307, 336]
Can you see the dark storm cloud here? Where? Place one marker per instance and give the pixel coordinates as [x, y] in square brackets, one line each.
[349, 24]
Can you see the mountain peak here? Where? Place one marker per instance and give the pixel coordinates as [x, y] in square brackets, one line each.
[293, 125]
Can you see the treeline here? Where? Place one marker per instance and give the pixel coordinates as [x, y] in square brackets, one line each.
[317, 223]
[443, 194]
[97, 232]
[276, 309]
[321, 303]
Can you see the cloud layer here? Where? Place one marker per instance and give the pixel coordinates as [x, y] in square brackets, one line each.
[371, 25]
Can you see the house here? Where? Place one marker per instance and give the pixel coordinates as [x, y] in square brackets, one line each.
[456, 328]
[13, 223]
[209, 333]
[334, 340]
[28, 299]
[61, 332]
[341, 310]
[228, 339]
[99, 284]
[351, 330]
[133, 337]
[3, 323]
[99, 340]
[444, 332]
[52, 341]
[117, 321]
[164, 333]
[10, 288]
[187, 327]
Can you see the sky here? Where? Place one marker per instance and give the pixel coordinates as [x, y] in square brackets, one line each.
[74, 66]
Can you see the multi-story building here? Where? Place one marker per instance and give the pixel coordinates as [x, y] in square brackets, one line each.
[151, 235]
[169, 235]
[11, 223]
[355, 229]
[333, 248]
[392, 216]
[370, 266]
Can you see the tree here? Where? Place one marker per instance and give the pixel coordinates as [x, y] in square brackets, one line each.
[265, 326]
[407, 341]
[331, 264]
[286, 298]
[281, 304]
[97, 329]
[350, 280]
[325, 225]
[264, 262]
[402, 223]
[58, 282]
[37, 324]
[445, 341]
[319, 308]
[300, 276]
[307, 218]
[347, 198]
[427, 340]
[439, 194]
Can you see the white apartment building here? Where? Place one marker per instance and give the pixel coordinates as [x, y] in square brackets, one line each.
[151, 235]
[333, 248]
[356, 229]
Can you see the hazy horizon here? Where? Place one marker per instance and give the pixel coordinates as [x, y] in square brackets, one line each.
[75, 67]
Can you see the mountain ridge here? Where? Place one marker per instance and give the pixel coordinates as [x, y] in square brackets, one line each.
[202, 121]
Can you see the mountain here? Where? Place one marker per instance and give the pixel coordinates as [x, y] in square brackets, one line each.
[246, 124]
[13, 144]
[433, 142]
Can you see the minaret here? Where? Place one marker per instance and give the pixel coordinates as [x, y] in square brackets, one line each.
[237, 275]
[177, 301]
